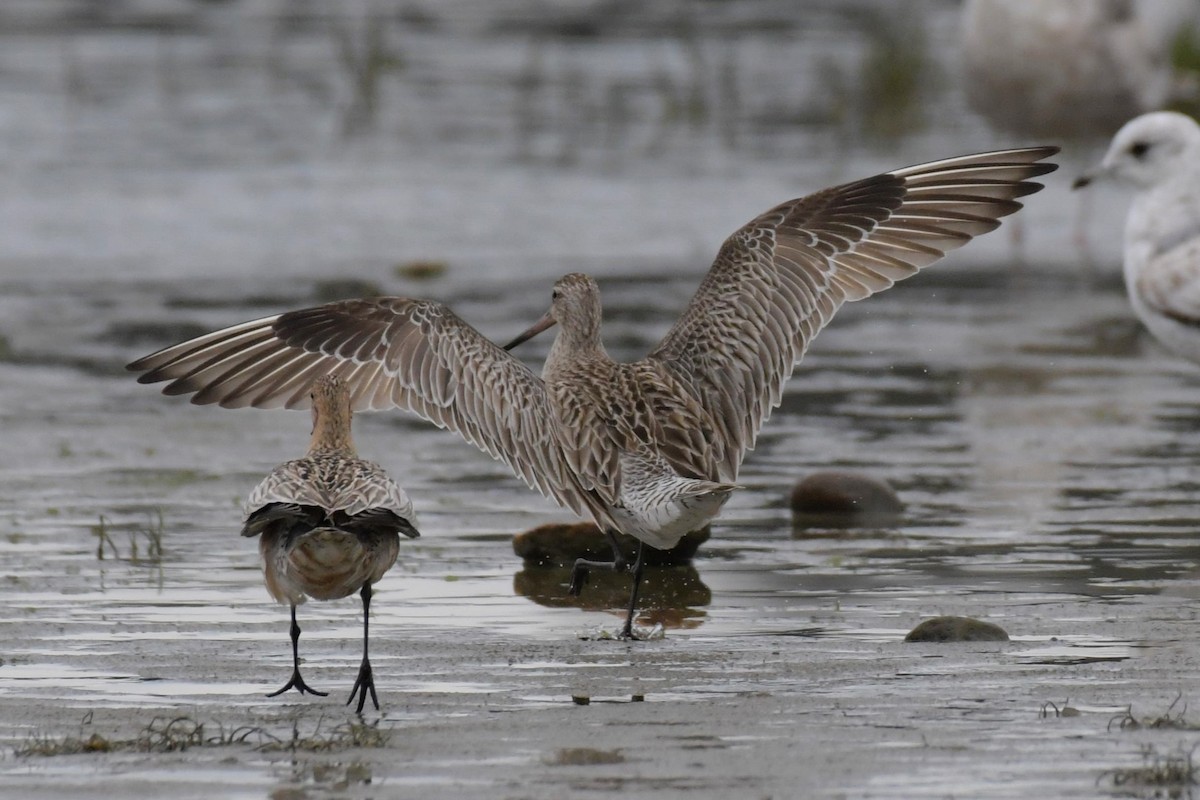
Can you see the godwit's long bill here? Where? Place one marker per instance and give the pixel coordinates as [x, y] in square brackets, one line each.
[649, 448]
[330, 526]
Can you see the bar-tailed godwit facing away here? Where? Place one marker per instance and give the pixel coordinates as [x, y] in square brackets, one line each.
[330, 525]
[1158, 154]
[651, 448]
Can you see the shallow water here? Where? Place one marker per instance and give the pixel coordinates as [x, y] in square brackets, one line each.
[182, 166]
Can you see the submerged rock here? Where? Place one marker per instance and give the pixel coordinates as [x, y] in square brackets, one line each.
[837, 498]
[421, 270]
[956, 629]
[559, 544]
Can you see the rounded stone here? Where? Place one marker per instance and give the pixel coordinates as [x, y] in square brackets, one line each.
[837, 497]
[560, 543]
[956, 629]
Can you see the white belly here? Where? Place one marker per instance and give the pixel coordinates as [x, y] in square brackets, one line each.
[663, 524]
[1183, 340]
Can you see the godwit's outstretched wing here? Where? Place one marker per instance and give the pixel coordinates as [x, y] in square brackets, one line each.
[392, 352]
[779, 279]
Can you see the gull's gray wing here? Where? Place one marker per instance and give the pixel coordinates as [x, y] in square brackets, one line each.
[1169, 282]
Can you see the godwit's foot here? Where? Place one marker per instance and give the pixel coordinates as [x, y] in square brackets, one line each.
[363, 684]
[583, 567]
[299, 685]
[579, 577]
[638, 564]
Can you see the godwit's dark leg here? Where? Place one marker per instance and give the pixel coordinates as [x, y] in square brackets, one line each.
[627, 631]
[296, 682]
[365, 681]
[579, 573]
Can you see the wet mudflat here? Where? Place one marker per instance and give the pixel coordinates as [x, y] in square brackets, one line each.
[1044, 449]
[218, 163]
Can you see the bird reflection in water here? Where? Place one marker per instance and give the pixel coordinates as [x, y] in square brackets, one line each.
[673, 597]
[672, 590]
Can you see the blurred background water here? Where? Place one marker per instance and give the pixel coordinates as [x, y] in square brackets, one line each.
[166, 138]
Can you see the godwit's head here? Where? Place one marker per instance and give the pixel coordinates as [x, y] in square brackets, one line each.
[575, 306]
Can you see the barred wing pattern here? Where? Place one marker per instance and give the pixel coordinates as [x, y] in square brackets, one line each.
[392, 352]
[778, 280]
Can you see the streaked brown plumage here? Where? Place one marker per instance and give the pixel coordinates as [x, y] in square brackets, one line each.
[329, 525]
[651, 448]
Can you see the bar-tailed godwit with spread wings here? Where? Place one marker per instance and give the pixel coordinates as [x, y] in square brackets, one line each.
[652, 447]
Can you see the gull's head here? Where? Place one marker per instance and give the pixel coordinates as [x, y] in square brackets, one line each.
[1149, 150]
[575, 303]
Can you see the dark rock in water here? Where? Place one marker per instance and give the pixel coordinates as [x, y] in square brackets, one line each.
[562, 543]
[956, 629]
[835, 498]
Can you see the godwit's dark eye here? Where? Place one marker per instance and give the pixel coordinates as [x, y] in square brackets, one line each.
[1139, 149]
[555, 294]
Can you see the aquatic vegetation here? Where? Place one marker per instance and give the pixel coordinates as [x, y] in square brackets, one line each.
[1164, 774]
[566, 111]
[1065, 710]
[165, 478]
[366, 57]
[161, 735]
[43, 745]
[421, 269]
[352, 733]
[151, 533]
[177, 734]
[893, 76]
[584, 756]
[100, 531]
[1185, 58]
[1171, 719]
